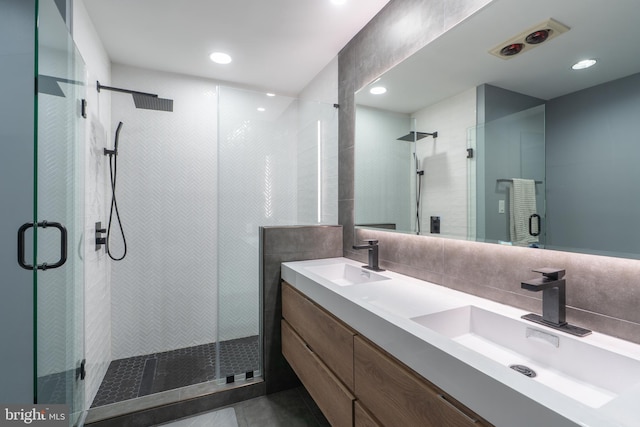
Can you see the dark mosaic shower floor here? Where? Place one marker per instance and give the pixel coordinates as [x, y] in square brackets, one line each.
[152, 373]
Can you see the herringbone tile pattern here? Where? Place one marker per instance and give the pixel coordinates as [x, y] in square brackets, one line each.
[163, 294]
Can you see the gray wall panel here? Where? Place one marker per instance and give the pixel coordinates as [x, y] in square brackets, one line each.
[17, 18]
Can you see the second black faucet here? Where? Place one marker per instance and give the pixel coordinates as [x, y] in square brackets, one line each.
[372, 247]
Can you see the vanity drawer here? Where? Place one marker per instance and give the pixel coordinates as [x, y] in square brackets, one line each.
[397, 396]
[331, 396]
[329, 338]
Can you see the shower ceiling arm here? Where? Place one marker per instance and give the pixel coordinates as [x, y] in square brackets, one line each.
[117, 89]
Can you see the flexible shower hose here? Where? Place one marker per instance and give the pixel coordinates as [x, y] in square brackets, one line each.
[113, 172]
[419, 174]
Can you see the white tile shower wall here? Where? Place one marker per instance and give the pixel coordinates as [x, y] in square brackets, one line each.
[97, 285]
[444, 161]
[97, 293]
[330, 168]
[316, 104]
[164, 293]
[317, 158]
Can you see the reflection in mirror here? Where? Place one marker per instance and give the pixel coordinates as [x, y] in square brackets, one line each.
[571, 134]
[510, 145]
[413, 186]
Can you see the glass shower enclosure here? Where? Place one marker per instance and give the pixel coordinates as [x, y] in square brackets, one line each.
[42, 173]
[59, 192]
[194, 186]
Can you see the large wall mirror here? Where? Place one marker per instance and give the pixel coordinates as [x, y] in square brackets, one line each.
[518, 149]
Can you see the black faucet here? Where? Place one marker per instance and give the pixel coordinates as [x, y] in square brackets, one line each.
[372, 246]
[553, 287]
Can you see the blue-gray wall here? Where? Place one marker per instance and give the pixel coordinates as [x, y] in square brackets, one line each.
[495, 103]
[593, 169]
[510, 144]
[17, 41]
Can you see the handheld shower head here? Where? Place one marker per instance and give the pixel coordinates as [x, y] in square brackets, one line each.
[115, 145]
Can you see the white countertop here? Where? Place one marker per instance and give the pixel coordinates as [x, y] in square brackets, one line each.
[382, 311]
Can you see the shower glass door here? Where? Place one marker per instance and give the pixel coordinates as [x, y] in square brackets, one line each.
[58, 238]
[277, 165]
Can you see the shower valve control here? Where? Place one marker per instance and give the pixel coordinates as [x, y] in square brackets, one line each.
[435, 225]
[100, 240]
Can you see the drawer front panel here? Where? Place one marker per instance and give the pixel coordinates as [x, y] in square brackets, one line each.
[328, 337]
[332, 397]
[397, 397]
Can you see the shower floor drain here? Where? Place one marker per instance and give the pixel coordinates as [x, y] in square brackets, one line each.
[524, 370]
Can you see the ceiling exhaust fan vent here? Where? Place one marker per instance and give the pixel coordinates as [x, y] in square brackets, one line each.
[529, 39]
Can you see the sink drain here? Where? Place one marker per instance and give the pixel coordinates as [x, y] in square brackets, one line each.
[524, 370]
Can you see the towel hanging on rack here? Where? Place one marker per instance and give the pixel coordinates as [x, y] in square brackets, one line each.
[522, 204]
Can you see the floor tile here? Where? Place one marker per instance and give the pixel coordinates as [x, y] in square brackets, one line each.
[220, 418]
[288, 408]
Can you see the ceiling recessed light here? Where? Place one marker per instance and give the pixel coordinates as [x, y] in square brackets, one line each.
[271, 94]
[378, 90]
[220, 58]
[585, 63]
[338, 1]
[261, 109]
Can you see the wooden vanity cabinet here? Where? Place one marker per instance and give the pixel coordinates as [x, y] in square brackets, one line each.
[327, 336]
[353, 381]
[319, 348]
[331, 396]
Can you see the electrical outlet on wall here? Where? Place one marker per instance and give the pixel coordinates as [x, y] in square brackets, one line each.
[501, 206]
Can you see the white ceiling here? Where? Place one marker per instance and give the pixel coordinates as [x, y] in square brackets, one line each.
[276, 45]
[460, 60]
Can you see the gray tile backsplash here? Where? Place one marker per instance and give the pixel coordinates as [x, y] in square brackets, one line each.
[603, 293]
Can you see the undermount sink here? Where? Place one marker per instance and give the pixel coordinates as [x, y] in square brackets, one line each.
[343, 274]
[569, 365]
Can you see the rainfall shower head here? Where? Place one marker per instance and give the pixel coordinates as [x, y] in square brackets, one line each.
[147, 101]
[152, 102]
[416, 136]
